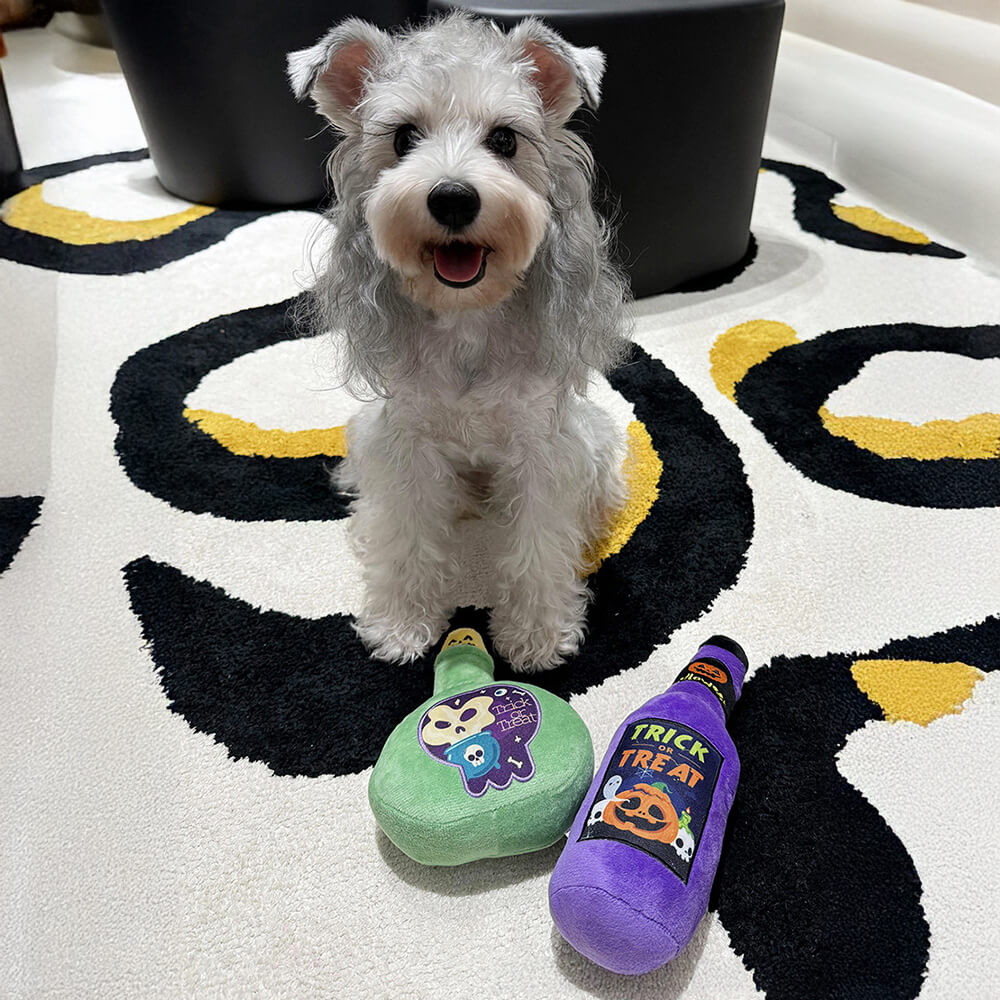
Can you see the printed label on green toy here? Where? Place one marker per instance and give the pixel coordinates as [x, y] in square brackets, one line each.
[656, 792]
[484, 734]
[713, 674]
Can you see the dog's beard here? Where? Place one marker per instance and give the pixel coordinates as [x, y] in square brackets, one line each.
[477, 267]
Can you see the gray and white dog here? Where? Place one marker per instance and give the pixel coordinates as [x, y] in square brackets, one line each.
[469, 287]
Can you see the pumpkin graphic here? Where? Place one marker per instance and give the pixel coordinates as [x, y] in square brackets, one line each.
[644, 810]
[709, 670]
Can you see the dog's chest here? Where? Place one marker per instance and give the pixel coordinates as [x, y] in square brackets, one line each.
[485, 422]
[476, 388]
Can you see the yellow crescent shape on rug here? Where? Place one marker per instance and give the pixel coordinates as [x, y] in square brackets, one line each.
[742, 347]
[873, 221]
[30, 212]
[916, 690]
[977, 436]
[243, 437]
[642, 467]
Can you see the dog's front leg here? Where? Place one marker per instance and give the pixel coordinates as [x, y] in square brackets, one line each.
[539, 497]
[403, 532]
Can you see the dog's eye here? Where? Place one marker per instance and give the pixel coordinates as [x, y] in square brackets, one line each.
[502, 141]
[405, 139]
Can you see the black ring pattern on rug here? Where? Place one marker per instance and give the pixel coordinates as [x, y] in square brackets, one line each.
[165, 454]
[18, 516]
[784, 392]
[817, 893]
[289, 691]
[126, 256]
[814, 193]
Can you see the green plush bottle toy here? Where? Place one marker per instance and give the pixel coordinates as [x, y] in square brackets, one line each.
[481, 769]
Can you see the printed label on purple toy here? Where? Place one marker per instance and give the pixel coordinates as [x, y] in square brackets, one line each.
[657, 792]
[485, 734]
[714, 675]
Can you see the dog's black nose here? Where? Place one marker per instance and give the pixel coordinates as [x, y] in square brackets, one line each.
[453, 204]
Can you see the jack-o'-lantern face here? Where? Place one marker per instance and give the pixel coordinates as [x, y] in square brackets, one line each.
[645, 811]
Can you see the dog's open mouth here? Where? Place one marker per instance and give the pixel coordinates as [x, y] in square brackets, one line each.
[460, 265]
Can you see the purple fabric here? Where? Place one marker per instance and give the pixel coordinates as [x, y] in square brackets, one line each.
[623, 893]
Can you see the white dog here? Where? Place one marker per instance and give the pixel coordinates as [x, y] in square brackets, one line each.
[469, 286]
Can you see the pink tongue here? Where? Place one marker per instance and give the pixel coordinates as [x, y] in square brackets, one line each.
[458, 262]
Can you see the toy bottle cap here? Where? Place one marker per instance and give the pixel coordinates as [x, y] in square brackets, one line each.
[730, 646]
[463, 637]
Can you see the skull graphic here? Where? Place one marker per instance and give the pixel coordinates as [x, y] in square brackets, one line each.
[485, 734]
[683, 843]
[475, 755]
[451, 721]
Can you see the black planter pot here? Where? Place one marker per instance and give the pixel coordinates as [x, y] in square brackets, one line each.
[208, 81]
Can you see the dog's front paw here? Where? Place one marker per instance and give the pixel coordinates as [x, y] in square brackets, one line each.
[537, 643]
[397, 642]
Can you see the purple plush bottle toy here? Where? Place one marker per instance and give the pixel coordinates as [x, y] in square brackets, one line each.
[634, 878]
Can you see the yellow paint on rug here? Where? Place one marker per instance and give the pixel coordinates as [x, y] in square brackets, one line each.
[243, 437]
[642, 469]
[30, 212]
[742, 347]
[873, 221]
[916, 690]
[977, 436]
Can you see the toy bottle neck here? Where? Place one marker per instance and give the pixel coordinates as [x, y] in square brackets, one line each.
[463, 663]
[714, 675]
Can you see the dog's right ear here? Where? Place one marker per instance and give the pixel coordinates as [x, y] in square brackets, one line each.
[335, 70]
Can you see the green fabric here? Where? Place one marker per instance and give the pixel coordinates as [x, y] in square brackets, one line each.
[440, 813]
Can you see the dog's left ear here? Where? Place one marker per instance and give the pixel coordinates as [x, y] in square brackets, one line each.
[566, 76]
[336, 69]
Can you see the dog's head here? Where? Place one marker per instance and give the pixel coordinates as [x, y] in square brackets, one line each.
[454, 137]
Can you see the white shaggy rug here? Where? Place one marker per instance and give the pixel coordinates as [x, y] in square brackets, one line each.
[188, 722]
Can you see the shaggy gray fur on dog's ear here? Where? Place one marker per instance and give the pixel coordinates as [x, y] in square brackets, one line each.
[334, 70]
[564, 74]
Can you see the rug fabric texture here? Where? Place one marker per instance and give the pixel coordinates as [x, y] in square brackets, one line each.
[189, 721]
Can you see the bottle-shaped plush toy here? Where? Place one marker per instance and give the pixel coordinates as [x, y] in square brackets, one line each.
[483, 768]
[634, 878]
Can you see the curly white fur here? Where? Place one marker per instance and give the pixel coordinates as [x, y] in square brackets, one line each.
[479, 391]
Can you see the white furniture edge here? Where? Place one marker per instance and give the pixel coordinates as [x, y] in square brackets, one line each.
[916, 147]
[960, 51]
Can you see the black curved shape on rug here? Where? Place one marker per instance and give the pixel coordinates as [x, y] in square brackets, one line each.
[298, 694]
[783, 394]
[17, 517]
[165, 454]
[816, 892]
[49, 170]
[302, 695]
[126, 256]
[814, 192]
